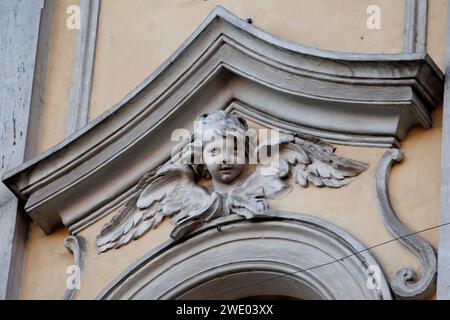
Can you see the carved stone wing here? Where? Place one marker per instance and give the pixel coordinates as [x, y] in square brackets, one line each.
[168, 192]
[310, 160]
[250, 199]
[304, 158]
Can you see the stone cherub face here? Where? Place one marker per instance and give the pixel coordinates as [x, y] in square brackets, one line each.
[223, 160]
[224, 146]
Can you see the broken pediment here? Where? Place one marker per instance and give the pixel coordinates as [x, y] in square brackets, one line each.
[344, 98]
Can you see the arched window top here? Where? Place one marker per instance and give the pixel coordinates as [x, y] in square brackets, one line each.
[282, 254]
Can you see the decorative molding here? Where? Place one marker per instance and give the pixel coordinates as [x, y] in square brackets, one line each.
[286, 125]
[82, 66]
[113, 205]
[173, 190]
[317, 259]
[39, 80]
[415, 26]
[404, 283]
[24, 37]
[443, 278]
[341, 95]
[76, 245]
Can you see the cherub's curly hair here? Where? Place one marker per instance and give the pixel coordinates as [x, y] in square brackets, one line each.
[221, 122]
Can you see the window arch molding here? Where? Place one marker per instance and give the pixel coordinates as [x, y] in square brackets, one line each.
[280, 254]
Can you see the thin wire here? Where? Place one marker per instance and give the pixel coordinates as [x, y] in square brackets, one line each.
[334, 261]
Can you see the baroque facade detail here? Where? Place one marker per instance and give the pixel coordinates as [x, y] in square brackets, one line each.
[345, 98]
[172, 190]
[216, 184]
[76, 245]
[304, 257]
[405, 282]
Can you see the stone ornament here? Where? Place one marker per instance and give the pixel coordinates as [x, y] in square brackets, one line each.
[406, 283]
[293, 255]
[241, 179]
[77, 246]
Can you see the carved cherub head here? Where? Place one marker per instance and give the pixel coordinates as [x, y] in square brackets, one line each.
[220, 147]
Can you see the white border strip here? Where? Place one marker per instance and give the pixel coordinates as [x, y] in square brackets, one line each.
[415, 26]
[443, 279]
[83, 66]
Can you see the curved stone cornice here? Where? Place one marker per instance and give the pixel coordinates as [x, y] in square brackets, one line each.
[358, 99]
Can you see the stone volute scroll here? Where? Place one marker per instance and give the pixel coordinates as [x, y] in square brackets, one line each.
[77, 246]
[219, 149]
[406, 284]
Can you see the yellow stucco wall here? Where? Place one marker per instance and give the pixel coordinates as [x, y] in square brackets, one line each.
[45, 264]
[135, 37]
